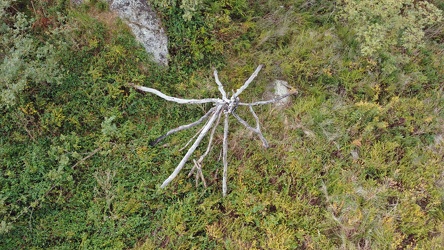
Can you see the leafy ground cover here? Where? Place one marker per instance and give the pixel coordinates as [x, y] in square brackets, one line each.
[356, 160]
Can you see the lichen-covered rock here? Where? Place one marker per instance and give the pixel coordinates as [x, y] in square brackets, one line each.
[145, 25]
[280, 89]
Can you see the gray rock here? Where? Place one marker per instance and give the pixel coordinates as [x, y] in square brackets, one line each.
[76, 2]
[145, 25]
[281, 88]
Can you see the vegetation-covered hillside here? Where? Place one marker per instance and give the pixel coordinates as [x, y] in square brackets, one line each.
[356, 159]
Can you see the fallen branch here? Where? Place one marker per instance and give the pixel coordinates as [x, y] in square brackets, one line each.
[224, 157]
[210, 141]
[192, 148]
[175, 99]
[256, 130]
[226, 105]
[183, 127]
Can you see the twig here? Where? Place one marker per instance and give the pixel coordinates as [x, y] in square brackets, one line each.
[183, 127]
[258, 128]
[276, 99]
[254, 130]
[241, 89]
[192, 138]
[210, 142]
[202, 177]
[220, 87]
[198, 168]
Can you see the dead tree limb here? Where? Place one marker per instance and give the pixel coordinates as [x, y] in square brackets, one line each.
[254, 130]
[198, 163]
[220, 87]
[193, 147]
[178, 100]
[224, 157]
[183, 127]
[225, 105]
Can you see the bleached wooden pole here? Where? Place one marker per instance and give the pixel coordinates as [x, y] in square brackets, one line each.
[175, 99]
[224, 156]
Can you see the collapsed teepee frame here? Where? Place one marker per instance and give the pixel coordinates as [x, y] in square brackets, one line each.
[226, 106]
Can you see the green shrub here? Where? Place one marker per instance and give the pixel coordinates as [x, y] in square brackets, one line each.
[26, 60]
[384, 25]
[189, 7]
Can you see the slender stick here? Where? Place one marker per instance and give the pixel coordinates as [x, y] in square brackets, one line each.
[202, 177]
[239, 91]
[175, 99]
[256, 131]
[225, 161]
[256, 118]
[183, 127]
[210, 141]
[209, 147]
[220, 87]
[199, 173]
[192, 138]
[193, 147]
[258, 128]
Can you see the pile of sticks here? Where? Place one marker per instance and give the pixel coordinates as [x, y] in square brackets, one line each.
[226, 106]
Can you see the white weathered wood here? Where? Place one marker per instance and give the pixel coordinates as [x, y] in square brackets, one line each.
[254, 130]
[183, 127]
[220, 87]
[178, 100]
[198, 163]
[258, 128]
[193, 147]
[191, 139]
[250, 79]
[276, 99]
[210, 140]
[198, 168]
[224, 157]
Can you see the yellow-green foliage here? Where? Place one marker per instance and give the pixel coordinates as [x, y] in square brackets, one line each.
[189, 7]
[389, 24]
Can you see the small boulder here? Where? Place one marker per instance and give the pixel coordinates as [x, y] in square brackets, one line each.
[145, 25]
[282, 88]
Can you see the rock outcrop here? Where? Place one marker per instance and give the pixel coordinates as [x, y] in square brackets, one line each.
[281, 88]
[145, 25]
